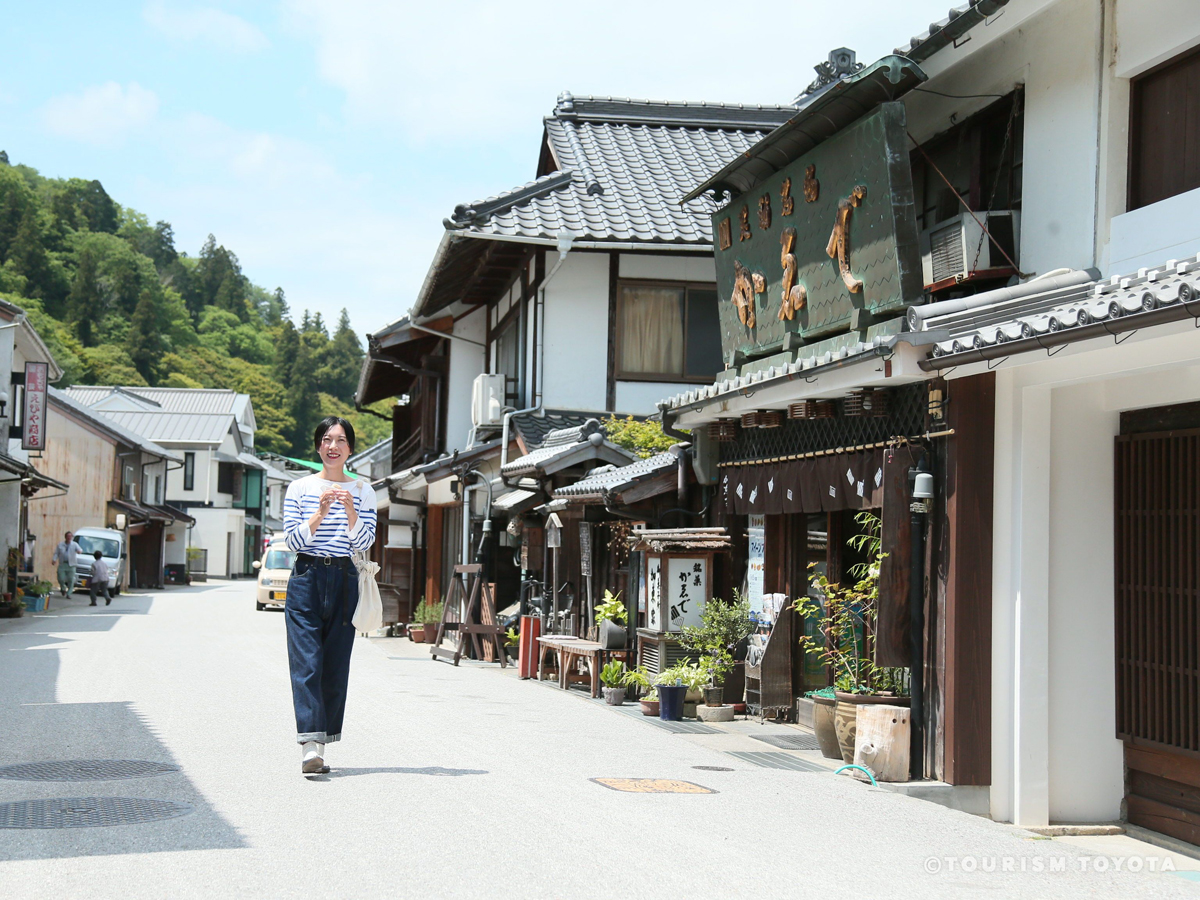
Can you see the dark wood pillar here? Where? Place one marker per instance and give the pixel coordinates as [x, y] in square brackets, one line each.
[433, 554]
[970, 457]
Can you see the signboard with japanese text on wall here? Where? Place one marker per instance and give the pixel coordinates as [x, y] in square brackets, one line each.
[653, 592]
[756, 561]
[33, 432]
[677, 589]
[826, 244]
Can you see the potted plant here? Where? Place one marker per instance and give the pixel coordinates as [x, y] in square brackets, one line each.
[512, 643]
[824, 711]
[429, 615]
[37, 594]
[611, 619]
[614, 677]
[722, 634]
[844, 616]
[416, 632]
[639, 679]
[679, 690]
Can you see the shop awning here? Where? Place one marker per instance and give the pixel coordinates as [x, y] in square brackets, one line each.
[177, 515]
[31, 479]
[393, 359]
[516, 502]
[627, 484]
[139, 514]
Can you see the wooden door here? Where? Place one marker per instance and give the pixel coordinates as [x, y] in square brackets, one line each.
[1158, 628]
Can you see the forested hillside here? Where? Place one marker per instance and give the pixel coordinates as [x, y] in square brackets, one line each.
[117, 303]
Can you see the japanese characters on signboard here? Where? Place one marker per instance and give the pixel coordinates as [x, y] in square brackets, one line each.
[756, 532]
[33, 434]
[685, 591]
[653, 592]
[834, 242]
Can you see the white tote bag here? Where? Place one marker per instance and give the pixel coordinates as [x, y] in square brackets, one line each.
[368, 615]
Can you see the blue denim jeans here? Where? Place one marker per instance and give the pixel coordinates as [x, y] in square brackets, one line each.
[320, 601]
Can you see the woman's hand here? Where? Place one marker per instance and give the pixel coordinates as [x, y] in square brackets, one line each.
[347, 499]
[328, 496]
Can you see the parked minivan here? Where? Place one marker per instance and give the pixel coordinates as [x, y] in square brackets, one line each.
[111, 545]
[274, 570]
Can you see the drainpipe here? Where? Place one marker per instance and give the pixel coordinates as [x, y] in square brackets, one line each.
[669, 429]
[565, 240]
[921, 483]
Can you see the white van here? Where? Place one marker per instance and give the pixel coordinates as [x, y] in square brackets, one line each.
[111, 545]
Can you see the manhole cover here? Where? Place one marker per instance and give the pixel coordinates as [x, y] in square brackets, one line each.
[713, 768]
[789, 741]
[86, 770]
[652, 786]
[87, 812]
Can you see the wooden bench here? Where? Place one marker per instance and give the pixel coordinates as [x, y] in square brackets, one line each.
[572, 651]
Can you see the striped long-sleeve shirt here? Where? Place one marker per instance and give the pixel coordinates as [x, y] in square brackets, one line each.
[334, 537]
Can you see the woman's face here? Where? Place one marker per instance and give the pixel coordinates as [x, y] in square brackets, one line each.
[334, 449]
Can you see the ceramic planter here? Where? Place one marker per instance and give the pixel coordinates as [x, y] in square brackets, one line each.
[824, 709]
[417, 633]
[649, 707]
[670, 702]
[614, 696]
[714, 696]
[846, 717]
[612, 635]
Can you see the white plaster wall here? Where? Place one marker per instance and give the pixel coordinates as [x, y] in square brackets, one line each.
[1085, 757]
[213, 525]
[699, 267]
[1149, 236]
[1054, 752]
[576, 333]
[641, 397]
[466, 362]
[1061, 79]
[205, 476]
[1153, 31]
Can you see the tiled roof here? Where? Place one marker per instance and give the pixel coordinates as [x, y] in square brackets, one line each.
[534, 429]
[553, 457]
[1068, 313]
[623, 167]
[945, 31]
[613, 479]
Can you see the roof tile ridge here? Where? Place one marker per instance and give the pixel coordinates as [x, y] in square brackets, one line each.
[466, 214]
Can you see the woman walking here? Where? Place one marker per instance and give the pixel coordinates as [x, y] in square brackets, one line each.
[326, 517]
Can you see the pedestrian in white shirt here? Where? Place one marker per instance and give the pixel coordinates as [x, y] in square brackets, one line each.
[99, 579]
[66, 552]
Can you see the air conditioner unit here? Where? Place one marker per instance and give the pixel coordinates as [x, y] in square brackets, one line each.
[956, 249]
[487, 401]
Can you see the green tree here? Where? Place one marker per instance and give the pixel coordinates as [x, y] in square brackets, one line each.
[147, 339]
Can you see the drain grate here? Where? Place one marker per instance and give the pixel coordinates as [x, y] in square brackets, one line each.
[86, 770]
[685, 727]
[87, 812]
[775, 760]
[790, 741]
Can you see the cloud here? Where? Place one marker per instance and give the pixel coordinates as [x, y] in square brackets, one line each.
[447, 71]
[225, 30]
[103, 114]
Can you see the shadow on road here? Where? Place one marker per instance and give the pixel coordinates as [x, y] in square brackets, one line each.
[38, 728]
[398, 770]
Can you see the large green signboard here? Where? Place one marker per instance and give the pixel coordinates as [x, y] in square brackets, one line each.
[826, 244]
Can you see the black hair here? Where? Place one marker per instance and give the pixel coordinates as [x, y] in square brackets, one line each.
[97, 554]
[328, 422]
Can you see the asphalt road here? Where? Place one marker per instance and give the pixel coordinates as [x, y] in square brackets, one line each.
[449, 783]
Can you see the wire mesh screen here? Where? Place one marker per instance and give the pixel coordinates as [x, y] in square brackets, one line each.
[906, 406]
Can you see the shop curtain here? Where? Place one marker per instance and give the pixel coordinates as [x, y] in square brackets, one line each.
[819, 484]
[651, 330]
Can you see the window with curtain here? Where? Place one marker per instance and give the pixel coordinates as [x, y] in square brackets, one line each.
[667, 332]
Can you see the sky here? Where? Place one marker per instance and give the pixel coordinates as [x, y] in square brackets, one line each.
[324, 142]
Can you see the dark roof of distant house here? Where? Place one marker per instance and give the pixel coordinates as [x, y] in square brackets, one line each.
[533, 430]
[565, 447]
[608, 480]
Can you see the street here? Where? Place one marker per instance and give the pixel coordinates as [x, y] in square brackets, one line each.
[451, 782]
